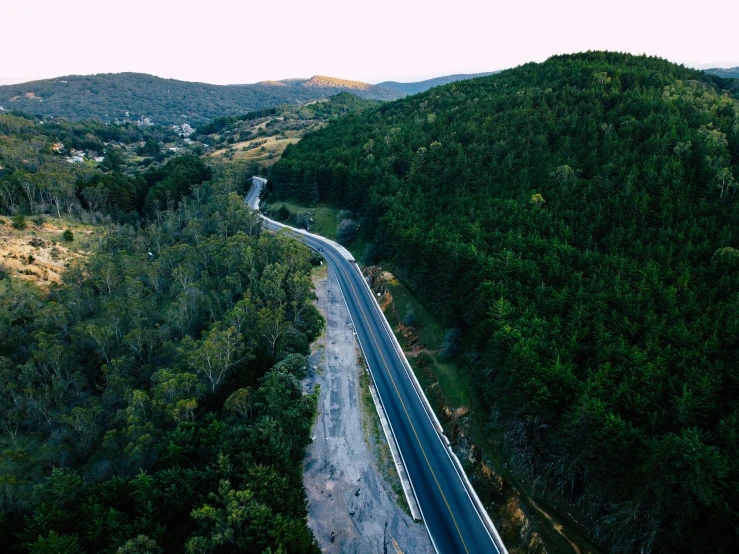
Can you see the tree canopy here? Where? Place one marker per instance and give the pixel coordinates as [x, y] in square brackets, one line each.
[578, 221]
[151, 402]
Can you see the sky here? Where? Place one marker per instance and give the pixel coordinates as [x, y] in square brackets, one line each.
[246, 41]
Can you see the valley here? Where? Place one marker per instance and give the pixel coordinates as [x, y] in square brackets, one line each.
[529, 311]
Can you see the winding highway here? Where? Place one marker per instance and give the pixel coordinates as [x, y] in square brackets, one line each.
[454, 517]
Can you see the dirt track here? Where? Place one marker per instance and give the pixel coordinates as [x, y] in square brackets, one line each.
[347, 491]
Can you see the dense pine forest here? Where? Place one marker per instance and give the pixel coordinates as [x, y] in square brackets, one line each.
[150, 401]
[578, 220]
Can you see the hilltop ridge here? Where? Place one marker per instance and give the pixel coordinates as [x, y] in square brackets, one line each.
[138, 96]
[575, 222]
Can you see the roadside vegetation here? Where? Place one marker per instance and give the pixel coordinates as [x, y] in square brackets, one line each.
[150, 394]
[577, 221]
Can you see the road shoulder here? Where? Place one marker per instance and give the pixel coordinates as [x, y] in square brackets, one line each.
[346, 475]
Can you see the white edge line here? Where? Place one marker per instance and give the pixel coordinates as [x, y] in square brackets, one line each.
[390, 425]
[411, 501]
[469, 489]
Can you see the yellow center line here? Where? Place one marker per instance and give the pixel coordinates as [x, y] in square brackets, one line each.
[387, 369]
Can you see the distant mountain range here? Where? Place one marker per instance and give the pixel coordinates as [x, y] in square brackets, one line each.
[726, 73]
[422, 86]
[122, 96]
[135, 96]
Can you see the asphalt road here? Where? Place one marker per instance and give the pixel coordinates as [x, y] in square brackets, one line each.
[452, 520]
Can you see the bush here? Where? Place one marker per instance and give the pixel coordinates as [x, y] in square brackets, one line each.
[19, 221]
[304, 220]
[369, 255]
[38, 220]
[346, 231]
[283, 213]
[451, 345]
[410, 318]
[68, 236]
[2, 222]
[344, 214]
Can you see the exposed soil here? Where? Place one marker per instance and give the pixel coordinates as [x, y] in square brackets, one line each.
[350, 491]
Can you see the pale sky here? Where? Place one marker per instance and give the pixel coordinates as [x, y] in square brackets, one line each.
[228, 41]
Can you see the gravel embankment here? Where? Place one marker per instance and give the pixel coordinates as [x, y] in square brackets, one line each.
[347, 492]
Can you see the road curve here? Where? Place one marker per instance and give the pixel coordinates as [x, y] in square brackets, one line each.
[453, 518]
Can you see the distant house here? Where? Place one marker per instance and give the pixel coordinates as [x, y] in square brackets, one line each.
[57, 147]
[99, 159]
[175, 149]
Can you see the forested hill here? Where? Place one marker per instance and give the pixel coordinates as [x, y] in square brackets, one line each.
[123, 96]
[727, 73]
[578, 219]
[423, 86]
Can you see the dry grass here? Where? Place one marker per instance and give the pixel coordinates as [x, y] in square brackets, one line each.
[39, 254]
[267, 153]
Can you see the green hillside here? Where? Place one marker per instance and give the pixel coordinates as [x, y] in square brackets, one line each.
[726, 73]
[423, 86]
[579, 221]
[123, 96]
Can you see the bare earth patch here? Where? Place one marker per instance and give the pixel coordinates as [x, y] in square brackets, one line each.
[348, 491]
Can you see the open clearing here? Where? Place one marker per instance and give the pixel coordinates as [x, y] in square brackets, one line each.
[266, 150]
[39, 254]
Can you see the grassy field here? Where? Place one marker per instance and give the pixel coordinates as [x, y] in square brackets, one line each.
[325, 223]
[266, 154]
[324, 216]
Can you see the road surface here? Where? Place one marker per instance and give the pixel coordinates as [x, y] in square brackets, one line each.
[454, 521]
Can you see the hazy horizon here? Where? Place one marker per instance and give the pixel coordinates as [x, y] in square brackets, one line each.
[401, 79]
[235, 43]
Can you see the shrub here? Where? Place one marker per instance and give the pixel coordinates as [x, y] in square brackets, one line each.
[68, 235]
[19, 221]
[346, 231]
[38, 220]
[304, 220]
[451, 345]
[344, 214]
[410, 318]
[283, 213]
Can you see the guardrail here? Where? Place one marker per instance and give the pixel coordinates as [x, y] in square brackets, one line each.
[476, 502]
